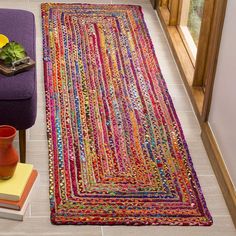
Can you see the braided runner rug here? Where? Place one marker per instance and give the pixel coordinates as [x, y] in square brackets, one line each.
[117, 153]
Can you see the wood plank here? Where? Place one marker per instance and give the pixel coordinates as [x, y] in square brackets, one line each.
[174, 12]
[165, 13]
[212, 55]
[186, 42]
[220, 169]
[164, 3]
[203, 43]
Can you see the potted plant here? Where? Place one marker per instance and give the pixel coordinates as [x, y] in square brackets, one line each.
[12, 52]
[14, 59]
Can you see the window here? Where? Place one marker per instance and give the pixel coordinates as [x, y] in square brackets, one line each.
[195, 18]
[193, 29]
[190, 24]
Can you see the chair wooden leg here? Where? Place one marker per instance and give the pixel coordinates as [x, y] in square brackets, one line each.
[22, 141]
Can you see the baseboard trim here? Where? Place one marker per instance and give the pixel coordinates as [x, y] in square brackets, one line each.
[220, 169]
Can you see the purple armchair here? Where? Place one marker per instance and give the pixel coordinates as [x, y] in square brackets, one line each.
[18, 94]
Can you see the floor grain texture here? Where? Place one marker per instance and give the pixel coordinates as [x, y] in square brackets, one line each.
[37, 221]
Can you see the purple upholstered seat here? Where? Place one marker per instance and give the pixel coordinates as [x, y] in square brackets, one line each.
[18, 93]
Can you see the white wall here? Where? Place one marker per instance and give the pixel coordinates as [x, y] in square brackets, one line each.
[223, 110]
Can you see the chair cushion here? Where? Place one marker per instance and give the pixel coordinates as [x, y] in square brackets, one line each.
[19, 113]
[19, 26]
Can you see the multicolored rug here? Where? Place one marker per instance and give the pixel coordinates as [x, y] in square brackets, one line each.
[117, 153]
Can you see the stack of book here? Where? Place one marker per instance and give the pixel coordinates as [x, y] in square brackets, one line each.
[15, 193]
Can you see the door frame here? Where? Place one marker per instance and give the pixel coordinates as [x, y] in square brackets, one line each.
[198, 78]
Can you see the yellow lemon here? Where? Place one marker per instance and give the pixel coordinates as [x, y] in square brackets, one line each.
[3, 40]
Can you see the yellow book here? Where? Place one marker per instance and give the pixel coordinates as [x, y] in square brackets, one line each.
[13, 188]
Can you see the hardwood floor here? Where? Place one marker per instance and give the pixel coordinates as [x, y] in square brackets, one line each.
[37, 220]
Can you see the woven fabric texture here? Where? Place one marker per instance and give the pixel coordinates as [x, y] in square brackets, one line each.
[117, 153]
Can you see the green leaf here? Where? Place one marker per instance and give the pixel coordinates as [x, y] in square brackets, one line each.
[12, 52]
